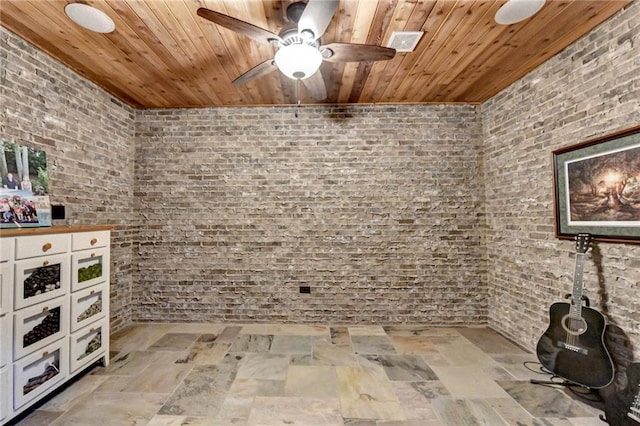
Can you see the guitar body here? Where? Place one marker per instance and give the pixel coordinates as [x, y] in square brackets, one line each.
[623, 407]
[580, 358]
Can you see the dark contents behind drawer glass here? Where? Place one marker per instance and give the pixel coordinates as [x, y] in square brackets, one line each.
[43, 279]
[94, 309]
[93, 345]
[89, 272]
[49, 325]
[34, 382]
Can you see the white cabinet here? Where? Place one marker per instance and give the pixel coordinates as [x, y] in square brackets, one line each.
[54, 310]
[7, 249]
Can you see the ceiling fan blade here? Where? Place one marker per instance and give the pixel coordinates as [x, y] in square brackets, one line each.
[316, 16]
[259, 70]
[352, 52]
[315, 85]
[241, 27]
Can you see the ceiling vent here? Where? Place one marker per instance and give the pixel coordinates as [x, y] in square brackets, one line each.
[404, 41]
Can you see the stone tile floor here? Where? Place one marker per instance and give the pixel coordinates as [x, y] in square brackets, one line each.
[285, 374]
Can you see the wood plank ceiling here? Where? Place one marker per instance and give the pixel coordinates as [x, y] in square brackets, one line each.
[162, 55]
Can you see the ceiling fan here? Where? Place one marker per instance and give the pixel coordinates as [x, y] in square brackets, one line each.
[300, 52]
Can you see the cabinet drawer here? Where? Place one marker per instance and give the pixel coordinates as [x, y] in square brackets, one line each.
[89, 267]
[5, 339]
[88, 345]
[6, 287]
[88, 240]
[40, 279]
[40, 325]
[42, 245]
[39, 372]
[89, 305]
[5, 395]
[7, 246]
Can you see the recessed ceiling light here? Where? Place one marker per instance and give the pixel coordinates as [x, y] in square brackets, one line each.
[89, 17]
[514, 11]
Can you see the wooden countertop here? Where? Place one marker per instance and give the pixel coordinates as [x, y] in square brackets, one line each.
[19, 232]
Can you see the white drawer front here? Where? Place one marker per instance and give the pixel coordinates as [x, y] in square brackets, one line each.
[89, 267]
[42, 245]
[89, 305]
[7, 245]
[5, 339]
[6, 287]
[88, 345]
[89, 240]
[40, 279]
[5, 395]
[40, 325]
[38, 373]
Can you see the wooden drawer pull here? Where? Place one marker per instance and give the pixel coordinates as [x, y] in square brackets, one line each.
[91, 330]
[92, 255]
[94, 241]
[45, 353]
[45, 263]
[92, 292]
[45, 309]
[46, 247]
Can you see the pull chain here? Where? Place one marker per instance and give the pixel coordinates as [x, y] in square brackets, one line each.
[297, 97]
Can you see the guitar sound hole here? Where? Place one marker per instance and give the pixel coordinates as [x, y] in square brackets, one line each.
[574, 326]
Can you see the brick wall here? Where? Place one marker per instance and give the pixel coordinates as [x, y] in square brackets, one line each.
[88, 138]
[377, 209]
[381, 210]
[589, 90]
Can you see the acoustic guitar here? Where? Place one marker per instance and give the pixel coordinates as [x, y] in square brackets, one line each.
[623, 408]
[573, 346]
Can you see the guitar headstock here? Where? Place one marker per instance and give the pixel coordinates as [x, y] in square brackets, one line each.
[582, 242]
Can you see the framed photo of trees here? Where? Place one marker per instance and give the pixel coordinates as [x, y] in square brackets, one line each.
[597, 188]
[25, 182]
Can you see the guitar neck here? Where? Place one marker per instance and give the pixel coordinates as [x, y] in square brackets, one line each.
[576, 294]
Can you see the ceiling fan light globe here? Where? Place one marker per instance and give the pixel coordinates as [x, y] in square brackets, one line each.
[298, 61]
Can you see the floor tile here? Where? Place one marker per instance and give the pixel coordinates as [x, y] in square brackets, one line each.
[457, 412]
[366, 393]
[372, 345]
[264, 366]
[113, 409]
[295, 411]
[405, 367]
[202, 392]
[174, 342]
[313, 381]
[366, 330]
[490, 341]
[252, 343]
[543, 401]
[328, 354]
[469, 382]
[159, 380]
[286, 344]
[412, 345]
[340, 336]
[306, 374]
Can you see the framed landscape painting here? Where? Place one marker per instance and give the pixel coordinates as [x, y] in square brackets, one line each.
[597, 188]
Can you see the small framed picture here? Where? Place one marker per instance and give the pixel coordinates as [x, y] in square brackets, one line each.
[24, 202]
[597, 188]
